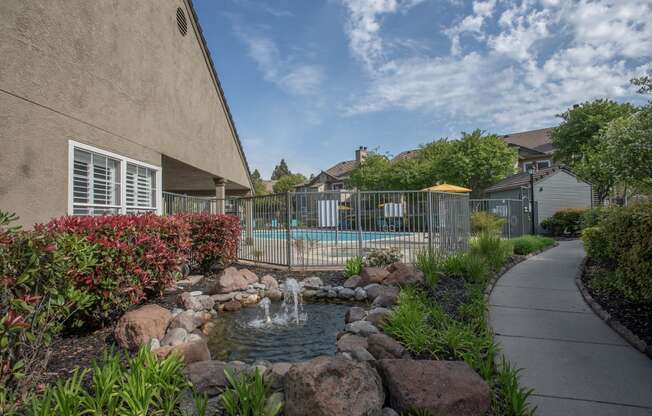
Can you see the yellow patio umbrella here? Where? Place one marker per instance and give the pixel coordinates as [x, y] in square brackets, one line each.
[445, 187]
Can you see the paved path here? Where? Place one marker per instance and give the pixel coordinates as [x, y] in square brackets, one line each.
[575, 363]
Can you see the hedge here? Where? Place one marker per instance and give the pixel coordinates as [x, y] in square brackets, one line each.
[622, 242]
[214, 239]
[566, 221]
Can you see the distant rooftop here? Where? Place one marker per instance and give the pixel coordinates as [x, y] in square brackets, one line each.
[538, 140]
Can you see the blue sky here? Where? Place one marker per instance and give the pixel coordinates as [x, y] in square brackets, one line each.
[311, 80]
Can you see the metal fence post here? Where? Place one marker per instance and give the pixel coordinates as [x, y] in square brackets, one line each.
[288, 230]
[358, 222]
[429, 222]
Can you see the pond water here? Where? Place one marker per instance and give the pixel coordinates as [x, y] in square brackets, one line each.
[247, 336]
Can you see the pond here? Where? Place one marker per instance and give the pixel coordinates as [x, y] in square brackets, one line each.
[247, 336]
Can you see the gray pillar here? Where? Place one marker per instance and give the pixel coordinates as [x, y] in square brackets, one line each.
[220, 194]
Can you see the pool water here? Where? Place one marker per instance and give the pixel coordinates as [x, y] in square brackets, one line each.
[326, 235]
[237, 336]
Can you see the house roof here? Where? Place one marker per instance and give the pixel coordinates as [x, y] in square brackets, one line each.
[523, 179]
[218, 84]
[342, 168]
[407, 154]
[535, 140]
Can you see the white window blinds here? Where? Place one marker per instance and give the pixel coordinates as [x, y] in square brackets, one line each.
[141, 188]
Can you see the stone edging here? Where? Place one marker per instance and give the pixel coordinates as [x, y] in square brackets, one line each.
[614, 323]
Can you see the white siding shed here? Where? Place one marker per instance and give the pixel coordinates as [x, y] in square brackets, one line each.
[561, 190]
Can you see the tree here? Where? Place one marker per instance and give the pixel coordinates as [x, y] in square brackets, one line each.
[576, 136]
[287, 183]
[477, 161]
[258, 183]
[644, 84]
[626, 145]
[280, 170]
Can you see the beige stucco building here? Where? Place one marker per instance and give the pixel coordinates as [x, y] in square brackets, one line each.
[105, 104]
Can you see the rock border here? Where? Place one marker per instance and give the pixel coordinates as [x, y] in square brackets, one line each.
[614, 323]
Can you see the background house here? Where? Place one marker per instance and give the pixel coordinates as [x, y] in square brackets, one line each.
[554, 188]
[335, 177]
[105, 105]
[534, 148]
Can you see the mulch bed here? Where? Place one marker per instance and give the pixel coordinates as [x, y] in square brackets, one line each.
[636, 317]
[450, 293]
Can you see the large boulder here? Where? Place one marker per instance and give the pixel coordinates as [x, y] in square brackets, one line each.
[362, 328]
[312, 282]
[190, 351]
[352, 282]
[174, 337]
[375, 290]
[384, 301]
[333, 386]
[230, 280]
[232, 306]
[187, 320]
[208, 376]
[443, 388]
[379, 316]
[274, 376]
[249, 276]
[403, 274]
[371, 275]
[383, 346]
[189, 300]
[269, 282]
[351, 342]
[139, 326]
[354, 313]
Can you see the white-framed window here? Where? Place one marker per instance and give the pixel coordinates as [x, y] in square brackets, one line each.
[102, 182]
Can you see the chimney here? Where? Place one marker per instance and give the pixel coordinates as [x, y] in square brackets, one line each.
[360, 154]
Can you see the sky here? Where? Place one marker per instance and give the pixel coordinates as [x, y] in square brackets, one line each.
[311, 80]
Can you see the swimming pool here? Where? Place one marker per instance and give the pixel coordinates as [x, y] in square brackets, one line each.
[327, 235]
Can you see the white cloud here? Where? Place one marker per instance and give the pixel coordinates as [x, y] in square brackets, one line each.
[287, 72]
[536, 59]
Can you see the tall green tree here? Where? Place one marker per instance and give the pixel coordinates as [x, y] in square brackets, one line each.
[288, 182]
[644, 84]
[280, 170]
[576, 136]
[259, 185]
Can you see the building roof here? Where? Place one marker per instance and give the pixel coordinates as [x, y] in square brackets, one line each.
[523, 179]
[536, 140]
[211, 66]
[341, 169]
[407, 154]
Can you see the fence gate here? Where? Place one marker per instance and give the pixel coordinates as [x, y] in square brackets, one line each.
[515, 212]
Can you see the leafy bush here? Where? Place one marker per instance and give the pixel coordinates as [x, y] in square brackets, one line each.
[35, 301]
[353, 266]
[621, 242]
[247, 396]
[383, 257]
[566, 221]
[140, 385]
[486, 222]
[527, 244]
[591, 217]
[492, 249]
[135, 256]
[214, 238]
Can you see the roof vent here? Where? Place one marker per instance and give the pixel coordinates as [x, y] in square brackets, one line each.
[182, 23]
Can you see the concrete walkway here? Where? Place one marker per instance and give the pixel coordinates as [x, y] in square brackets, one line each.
[575, 363]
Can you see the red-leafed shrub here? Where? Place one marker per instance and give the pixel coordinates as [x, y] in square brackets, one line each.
[214, 238]
[136, 256]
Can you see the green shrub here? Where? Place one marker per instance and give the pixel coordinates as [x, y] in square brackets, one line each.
[566, 221]
[493, 249]
[469, 266]
[621, 242]
[530, 243]
[139, 385]
[486, 222]
[430, 263]
[247, 395]
[353, 266]
[383, 257]
[592, 217]
[408, 322]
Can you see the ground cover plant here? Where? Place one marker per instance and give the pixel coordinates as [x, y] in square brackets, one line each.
[247, 395]
[353, 266]
[446, 319]
[527, 244]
